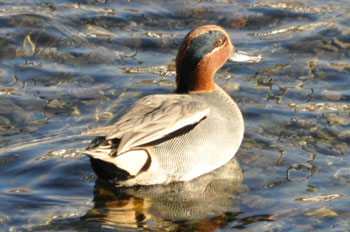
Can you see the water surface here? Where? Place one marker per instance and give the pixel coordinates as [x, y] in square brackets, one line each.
[68, 66]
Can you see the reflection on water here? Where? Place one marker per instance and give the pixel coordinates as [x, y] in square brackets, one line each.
[160, 207]
[69, 66]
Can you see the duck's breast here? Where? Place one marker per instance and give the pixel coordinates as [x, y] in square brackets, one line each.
[205, 146]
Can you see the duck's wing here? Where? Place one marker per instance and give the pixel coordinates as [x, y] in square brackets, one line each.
[154, 117]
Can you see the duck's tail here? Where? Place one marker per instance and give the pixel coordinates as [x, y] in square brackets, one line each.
[130, 162]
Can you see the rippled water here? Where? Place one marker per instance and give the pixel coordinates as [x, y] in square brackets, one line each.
[68, 66]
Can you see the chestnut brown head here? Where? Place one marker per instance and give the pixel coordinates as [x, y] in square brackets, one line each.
[203, 51]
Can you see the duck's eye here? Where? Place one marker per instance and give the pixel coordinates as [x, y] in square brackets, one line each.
[220, 41]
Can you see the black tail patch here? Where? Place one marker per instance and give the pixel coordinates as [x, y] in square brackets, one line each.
[107, 171]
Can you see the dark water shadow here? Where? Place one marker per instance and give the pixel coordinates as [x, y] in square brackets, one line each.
[206, 203]
[167, 206]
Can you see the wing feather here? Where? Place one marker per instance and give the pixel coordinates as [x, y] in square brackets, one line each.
[153, 117]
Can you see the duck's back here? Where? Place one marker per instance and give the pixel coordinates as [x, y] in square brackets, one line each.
[198, 148]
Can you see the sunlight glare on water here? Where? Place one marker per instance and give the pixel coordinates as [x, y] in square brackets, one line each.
[68, 66]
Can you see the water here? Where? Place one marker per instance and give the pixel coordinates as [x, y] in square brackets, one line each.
[68, 66]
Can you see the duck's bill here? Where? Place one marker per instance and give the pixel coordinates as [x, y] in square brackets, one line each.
[241, 56]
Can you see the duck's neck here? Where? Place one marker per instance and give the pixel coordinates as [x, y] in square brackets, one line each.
[201, 79]
[196, 86]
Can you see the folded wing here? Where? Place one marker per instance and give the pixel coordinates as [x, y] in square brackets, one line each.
[152, 118]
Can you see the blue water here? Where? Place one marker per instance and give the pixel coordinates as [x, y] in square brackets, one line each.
[67, 66]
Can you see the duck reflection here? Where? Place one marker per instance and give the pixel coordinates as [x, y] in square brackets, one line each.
[160, 207]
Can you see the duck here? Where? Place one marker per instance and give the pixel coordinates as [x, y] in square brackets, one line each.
[177, 137]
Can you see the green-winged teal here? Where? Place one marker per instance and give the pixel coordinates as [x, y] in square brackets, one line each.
[176, 137]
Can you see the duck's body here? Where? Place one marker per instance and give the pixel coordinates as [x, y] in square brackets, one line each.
[175, 137]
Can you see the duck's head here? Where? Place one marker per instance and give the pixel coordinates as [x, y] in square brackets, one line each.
[203, 51]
